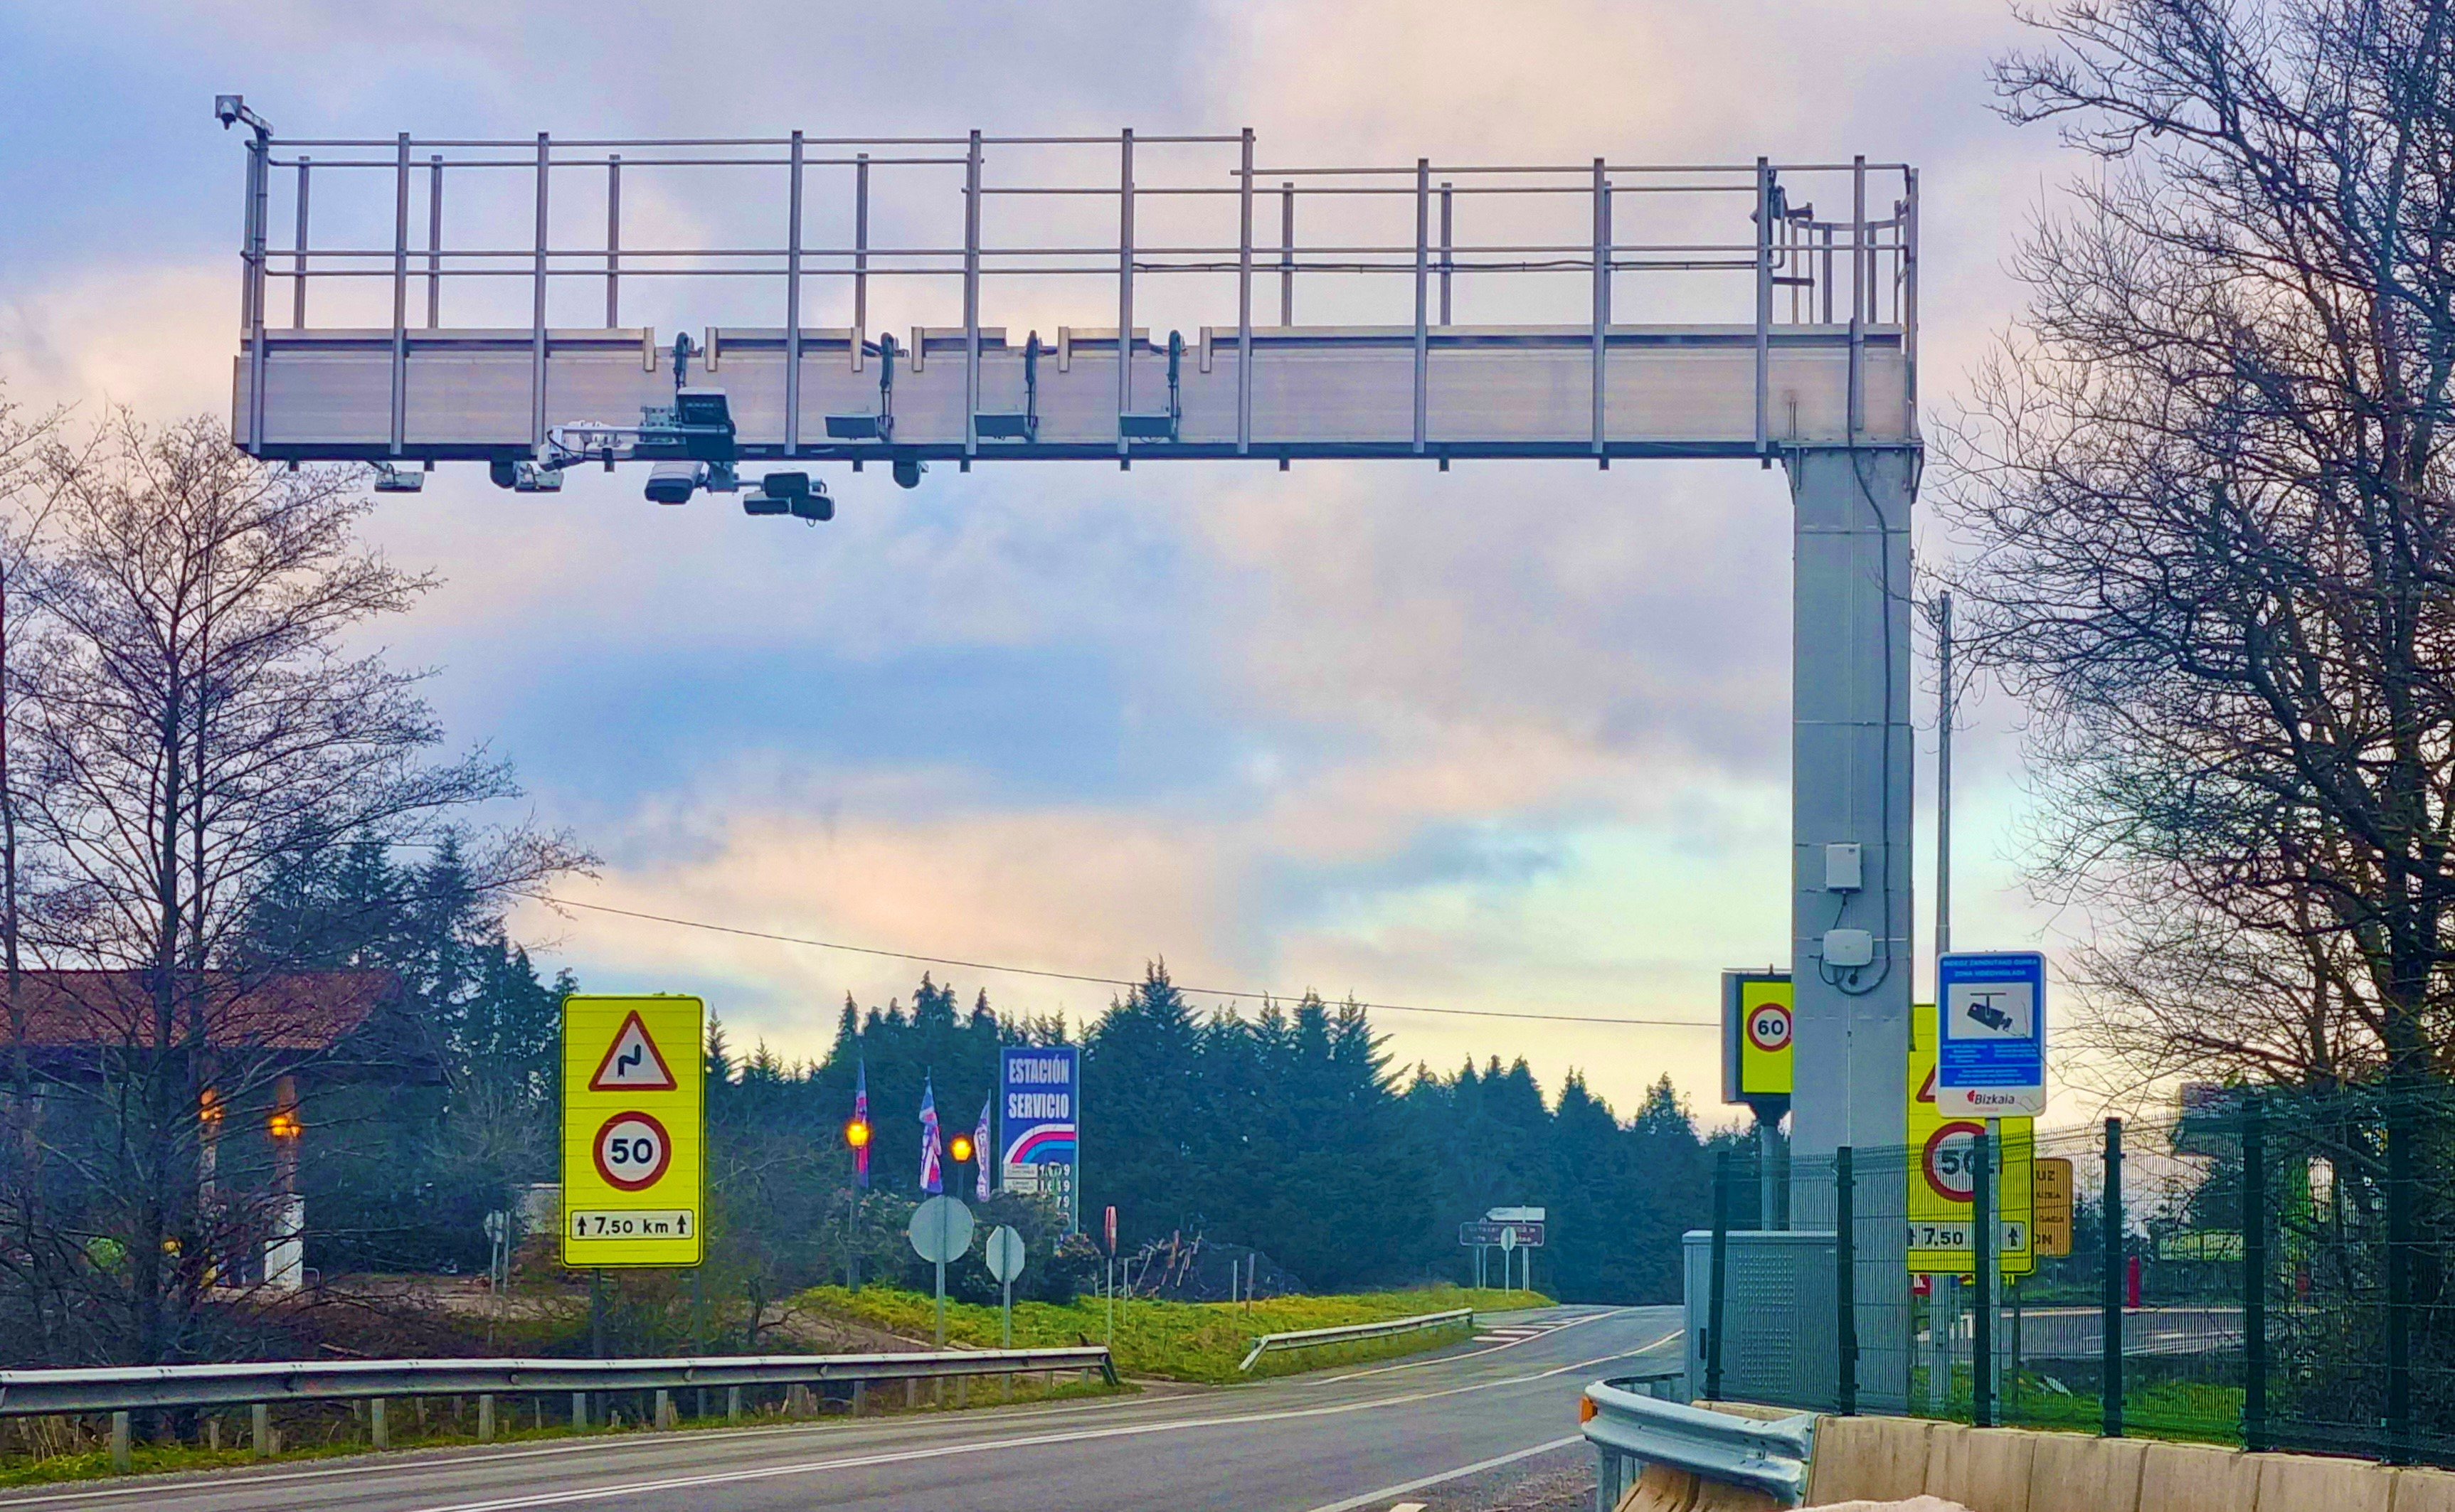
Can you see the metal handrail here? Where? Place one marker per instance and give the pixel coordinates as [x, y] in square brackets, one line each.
[1346, 1333]
[117, 1388]
[1630, 1428]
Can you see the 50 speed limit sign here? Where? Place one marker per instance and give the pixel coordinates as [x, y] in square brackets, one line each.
[633, 1130]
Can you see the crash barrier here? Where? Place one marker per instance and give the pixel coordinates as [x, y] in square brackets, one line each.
[1351, 1333]
[123, 1390]
[1657, 1457]
[1637, 1436]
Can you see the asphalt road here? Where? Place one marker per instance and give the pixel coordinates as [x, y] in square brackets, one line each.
[1336, 1440]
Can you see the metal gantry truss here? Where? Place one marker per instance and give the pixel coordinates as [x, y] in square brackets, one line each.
[1765, 325]
[1593, 311]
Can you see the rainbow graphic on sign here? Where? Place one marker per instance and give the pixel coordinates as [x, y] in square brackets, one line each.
[1039, 1105]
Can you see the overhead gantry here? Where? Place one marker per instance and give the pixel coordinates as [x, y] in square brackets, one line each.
[902, 301]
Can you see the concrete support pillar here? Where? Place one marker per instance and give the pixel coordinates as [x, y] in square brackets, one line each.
[1849, 822]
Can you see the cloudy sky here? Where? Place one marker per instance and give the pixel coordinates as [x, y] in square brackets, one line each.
[1509, 737]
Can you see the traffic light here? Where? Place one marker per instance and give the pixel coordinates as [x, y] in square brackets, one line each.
[857, 1134]
[960, 1147]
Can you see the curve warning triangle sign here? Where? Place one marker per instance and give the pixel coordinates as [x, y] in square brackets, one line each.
[632, 1062]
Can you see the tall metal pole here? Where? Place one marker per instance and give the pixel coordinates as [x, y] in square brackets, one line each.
[2110, 1307]
[2254, 1278]
[1943, 777]
[1984, 1227]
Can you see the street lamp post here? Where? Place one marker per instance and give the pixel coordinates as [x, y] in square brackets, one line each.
[856, 1140]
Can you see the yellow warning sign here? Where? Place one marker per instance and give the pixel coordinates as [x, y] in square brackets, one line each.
[1756, 1035]
[1943, 1174]
[634, 1140]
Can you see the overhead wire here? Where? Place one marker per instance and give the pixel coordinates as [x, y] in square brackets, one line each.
[1246, 994]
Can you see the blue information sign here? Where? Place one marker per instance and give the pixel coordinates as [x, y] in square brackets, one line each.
[1991, 1056]
[1039, 1113]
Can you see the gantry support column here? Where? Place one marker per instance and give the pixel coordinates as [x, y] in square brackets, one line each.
[1850, 786]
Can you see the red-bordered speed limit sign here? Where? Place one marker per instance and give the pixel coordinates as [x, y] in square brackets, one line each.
[1949, 1168]
[633, 1151]
[1769, 1027]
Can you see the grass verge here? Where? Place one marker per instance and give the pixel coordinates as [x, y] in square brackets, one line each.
[1197, 1341]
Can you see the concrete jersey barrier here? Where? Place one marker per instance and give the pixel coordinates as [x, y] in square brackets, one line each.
[1893, 1460]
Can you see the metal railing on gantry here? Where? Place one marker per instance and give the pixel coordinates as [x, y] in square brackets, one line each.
[906, 298]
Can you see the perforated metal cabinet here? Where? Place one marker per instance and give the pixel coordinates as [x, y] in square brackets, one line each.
[1778, 1318]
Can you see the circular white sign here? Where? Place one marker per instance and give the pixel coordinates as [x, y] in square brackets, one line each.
[941, 1230]
[1951, 1160]
[633, 1150]
[1769, 1027]
[1508, 1238]
[1005, 1252]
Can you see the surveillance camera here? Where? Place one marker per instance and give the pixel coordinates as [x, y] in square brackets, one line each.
[675, 482]
[227, 107]
[908, 470]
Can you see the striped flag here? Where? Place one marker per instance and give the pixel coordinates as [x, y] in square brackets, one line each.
[861, 1116]
[932, 1180]
[980, 1155]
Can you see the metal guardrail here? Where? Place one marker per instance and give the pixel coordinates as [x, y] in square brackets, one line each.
[1630, 1429]
[27, 1393]
[1349, 1332]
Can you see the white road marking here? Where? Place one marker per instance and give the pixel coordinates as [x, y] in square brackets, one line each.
[1406, 1507]
[517, 1503]
[1459, 1474]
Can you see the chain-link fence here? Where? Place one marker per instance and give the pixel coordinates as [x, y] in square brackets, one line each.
[2269, 1268]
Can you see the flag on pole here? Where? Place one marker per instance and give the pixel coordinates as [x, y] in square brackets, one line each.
[861, 1116]
[931, 1178]
[981, 1156]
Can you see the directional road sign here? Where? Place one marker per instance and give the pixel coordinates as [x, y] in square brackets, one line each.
[633, 1130]
[2054, 1209]
[1520, 1234]
[1992, 1055]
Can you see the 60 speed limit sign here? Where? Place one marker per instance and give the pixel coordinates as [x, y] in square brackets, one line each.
[633, 1130]
[1769, 1027]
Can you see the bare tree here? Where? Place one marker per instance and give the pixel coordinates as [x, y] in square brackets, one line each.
[2208, 479]
[197, 718]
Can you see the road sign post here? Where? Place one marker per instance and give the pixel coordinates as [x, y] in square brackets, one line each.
[1756, 1070]
[940, 1234]
[1004, 1255]
[633, 1137]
